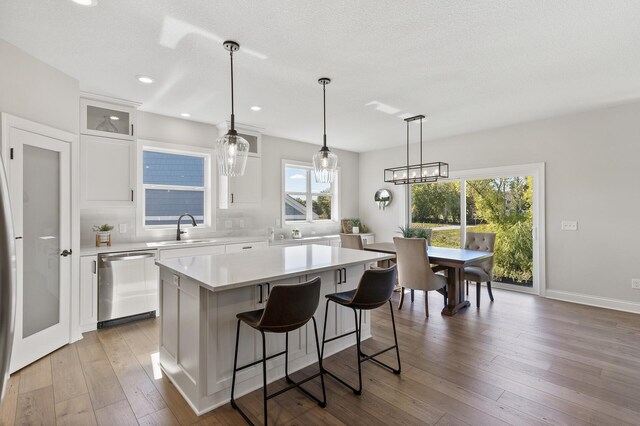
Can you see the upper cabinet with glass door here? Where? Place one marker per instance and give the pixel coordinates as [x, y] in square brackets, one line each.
[101, 117]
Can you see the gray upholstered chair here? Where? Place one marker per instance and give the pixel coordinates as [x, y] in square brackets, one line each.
[414, 270]
[483, 272]
[351, 241]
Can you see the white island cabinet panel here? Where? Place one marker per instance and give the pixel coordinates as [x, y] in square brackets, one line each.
[202, 295]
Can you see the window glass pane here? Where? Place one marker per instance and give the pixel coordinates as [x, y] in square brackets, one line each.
[295, 207]
[321, 207]
[161, 168]
[295, 179]
[436, 206]
[319, 187]
[163, 207]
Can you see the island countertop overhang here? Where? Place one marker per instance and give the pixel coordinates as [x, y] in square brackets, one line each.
[228, 271]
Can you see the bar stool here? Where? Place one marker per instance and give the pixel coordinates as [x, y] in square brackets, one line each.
[374, 290]
[288, 308]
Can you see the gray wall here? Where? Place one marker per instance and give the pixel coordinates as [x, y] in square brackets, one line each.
[592, 176]
[36, 91]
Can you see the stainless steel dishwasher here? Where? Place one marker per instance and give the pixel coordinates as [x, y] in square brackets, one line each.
[127, 287]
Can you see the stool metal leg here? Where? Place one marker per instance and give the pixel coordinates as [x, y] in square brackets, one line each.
[323, 403]
[264, 376]
[359, 352]
[235, 368]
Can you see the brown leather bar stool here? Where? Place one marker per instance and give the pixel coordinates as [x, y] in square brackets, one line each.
[374, 290]
[289, 307]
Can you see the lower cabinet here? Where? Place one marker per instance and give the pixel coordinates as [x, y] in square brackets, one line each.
[88, 293]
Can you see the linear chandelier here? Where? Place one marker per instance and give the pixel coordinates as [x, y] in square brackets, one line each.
[416, 173]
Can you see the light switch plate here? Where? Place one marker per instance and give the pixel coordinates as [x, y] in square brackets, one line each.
[569, 225]
[635, 283]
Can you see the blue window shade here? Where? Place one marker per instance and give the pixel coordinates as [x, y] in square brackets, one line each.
[163, 207]
[161, 168]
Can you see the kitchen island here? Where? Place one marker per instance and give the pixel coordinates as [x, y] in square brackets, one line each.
[201, 295]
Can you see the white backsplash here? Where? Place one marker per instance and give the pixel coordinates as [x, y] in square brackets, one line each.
[243, 223]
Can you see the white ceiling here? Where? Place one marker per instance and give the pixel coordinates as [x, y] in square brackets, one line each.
[467, 65]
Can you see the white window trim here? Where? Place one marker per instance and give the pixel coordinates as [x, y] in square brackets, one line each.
[335, 196]
[535, 170]
[209, 178]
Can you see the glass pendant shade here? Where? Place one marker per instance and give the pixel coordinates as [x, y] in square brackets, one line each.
[232, 151]
[325, 165]
[107, 125]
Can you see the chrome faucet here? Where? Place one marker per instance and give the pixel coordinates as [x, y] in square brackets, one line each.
[193, 222]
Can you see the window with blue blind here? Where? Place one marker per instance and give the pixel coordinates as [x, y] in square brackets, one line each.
[174, 183]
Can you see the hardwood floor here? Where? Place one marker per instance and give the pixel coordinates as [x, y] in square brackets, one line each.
[522, 360]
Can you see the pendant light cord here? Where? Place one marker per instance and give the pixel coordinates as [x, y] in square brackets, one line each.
[324, 114]
[232, 105]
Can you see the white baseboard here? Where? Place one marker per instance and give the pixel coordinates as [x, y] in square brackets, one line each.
[600, 302]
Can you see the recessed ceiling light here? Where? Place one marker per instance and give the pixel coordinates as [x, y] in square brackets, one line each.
[85, 2]
[185, 114]
[144, 79]
[255, 108]
[114, 117]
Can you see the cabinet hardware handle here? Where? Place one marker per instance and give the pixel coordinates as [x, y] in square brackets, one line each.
[260, 287]
[339, 276]
[18, 238]
[132, 195]
[232, 198]
[11, 154]
[132, 130]
[268, 291]
[345, 275]
[95, 267]
[247, 247]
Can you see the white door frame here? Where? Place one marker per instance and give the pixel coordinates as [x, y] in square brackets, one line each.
[537, 172]
[9, 123]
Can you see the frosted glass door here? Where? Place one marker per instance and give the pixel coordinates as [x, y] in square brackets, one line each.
[41, 239]
[40, 195]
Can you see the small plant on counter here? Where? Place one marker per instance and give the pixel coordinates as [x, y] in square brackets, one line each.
[355, 225]
[103, 234]
[296, 234]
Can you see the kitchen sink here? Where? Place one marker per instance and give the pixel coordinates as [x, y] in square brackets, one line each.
[175, 243]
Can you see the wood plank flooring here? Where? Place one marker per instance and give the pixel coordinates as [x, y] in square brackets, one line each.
[522, 360]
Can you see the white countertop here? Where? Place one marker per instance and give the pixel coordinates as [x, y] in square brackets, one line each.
[228, 271]
[311, 238]
[154, 245]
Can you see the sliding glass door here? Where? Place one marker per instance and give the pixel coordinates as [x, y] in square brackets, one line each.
[502, 201]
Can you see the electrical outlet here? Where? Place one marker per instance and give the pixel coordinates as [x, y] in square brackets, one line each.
[123, 228]
[569, 225]
[228, 224]
[635, 283]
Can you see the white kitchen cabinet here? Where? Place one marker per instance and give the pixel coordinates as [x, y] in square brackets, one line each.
[242, 192]
[191, 251]
[368, 239]
[99, 117]
[339, 319]
[107, 169]
[88, 293]
[169, 318]
[243, 247]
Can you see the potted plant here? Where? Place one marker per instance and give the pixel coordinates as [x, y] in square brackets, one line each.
[103, 234]
[296, 234]
[409, 232]
[355, 225]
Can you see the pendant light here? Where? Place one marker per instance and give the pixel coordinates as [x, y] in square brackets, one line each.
[416, 173]
[325, 162]
[232, 149]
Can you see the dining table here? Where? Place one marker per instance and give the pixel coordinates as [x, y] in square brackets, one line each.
[452, 259]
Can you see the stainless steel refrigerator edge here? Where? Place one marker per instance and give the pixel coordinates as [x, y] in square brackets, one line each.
[7, 281]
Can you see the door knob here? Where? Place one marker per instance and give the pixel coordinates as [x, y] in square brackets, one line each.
[65, 253]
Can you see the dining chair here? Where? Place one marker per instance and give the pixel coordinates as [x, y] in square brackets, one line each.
[483, 272]
[414, 270]
[351, 241]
